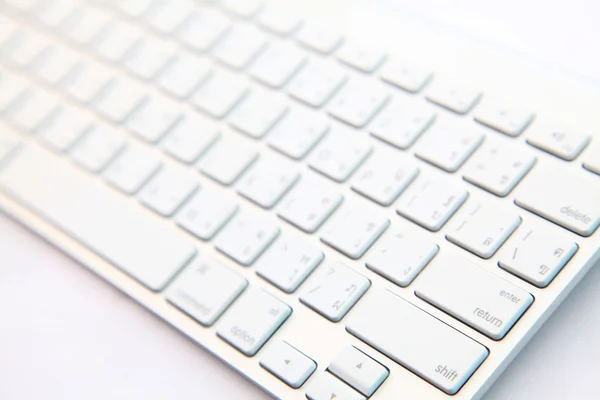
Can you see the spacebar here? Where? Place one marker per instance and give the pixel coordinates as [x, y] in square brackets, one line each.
[102, 220]
[416, 340]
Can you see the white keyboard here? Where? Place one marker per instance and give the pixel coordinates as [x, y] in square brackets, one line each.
[333, 220]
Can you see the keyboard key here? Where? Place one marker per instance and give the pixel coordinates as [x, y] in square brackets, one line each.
[333, 290]
[167, 191]
[203, 28]
[279, 19]
[246, 237]
[448, 146]
[98, 218]
[220, 93]
[165, 16]
[84, 24]
[97, 148]
[591, 160]
[537, 255]
[401, 124]
[357, 102]
[482, 229]
[431, 203]
[11, 89]
[9, 142]
[23, 48]
[154, 118]
[86, 81]
[119, 100]
[355, 231]
[469, 293]
[287, 364]
[132, 168]
[510, 121]
[297, 133]
[148, 58]
[7, 28]
[184, 74]
[239, 46]
[205, 214]
[316, 82]
[257, 113]
[64, 129]
[191, 136]
[319, 38]
[115, 40]
[243, 8]
[309, 204]
[327, 387]
[499, 168]
[133, 8]
[384, 176]
[340, 153]
[359, 370]
[55, 65]
[288, 263]
[363, 57]
[227, 160]
[458, 99]
[267, 181]
[410, 78]
[205, 289]
[563, 197]
[401, 257]
[419, 342]
[31, 111]
[565, 144]
[252, 320]
[276, 65]
[54, 12]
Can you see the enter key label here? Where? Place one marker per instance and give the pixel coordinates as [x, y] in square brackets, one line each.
[469, 293]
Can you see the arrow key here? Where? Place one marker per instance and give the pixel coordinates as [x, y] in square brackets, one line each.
[359, 370]
[328, 387]
[288, 364]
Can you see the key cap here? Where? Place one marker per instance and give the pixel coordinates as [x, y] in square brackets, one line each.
[148, 58]
[327, 387]
[227, 160]
[276, 65]
[364, 58]
[167, 191]
[205, 214]
[384, 176]
[402, 124]
[220, 93]
[154, 118]
[184, 74]
[288, 263]
[239, 46]
[469, 293]
[116, 40]
[23, 48]
[508, 120]
[565, 144]
[191, 136]
[165, 16]
[287, 364]
[9, 142]
[537, 255]
[319, 38]
[499, 168]
[257, 113]
[333, 290]
[84, 24]
[267, 181]
[243, 8]
[133, 8]
[482, 229]
[401, 257]
[591, 160]
[205, 289]
[279, 19]
[458, 99]
[297, 133]
[99, 219]
[357, 102]
[431, 203]
[419, 342]
[246, 237]
[410, 78]
[316, 82]
[252, 320]
[64, 129]
[11, 89]
[97, 148]
[55, 65]
[7, 28]
[203, 28]
[565, 198]
[31, 111]
[54, 12]
[309, 204]
[340, 153]
[448, 146]
[119, 100]
[86, 81]
[355, 231]
[132, 168]
[359, 370]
